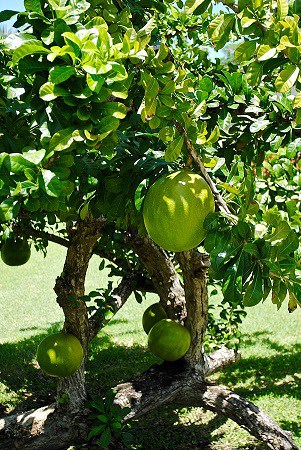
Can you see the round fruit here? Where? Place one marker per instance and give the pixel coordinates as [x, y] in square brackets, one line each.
[153, 314]
[60, 355]
[15, 252]
[169, 340]
[175, 208]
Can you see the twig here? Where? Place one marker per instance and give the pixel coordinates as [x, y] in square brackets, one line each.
[222, 205]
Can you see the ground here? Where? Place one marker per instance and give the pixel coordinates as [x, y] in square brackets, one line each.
[269, 373]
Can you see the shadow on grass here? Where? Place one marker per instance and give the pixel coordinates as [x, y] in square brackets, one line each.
[25, 386]
[278, 374]
[110, 364]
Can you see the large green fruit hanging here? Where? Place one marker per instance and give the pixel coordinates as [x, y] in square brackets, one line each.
[15, 252]
[169, 340]
[175, 208]
[153, 314]
[60, 355]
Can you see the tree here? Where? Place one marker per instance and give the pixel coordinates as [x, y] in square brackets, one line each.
[101, 98]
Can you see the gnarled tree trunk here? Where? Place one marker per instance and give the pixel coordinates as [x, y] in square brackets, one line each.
[70, 288]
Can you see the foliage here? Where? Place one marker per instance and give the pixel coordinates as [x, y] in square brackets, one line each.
[107, 419]
[90, 95]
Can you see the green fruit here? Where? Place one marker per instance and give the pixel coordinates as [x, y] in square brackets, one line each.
[169, 340]
[152, 315]
[175, 208]
[15, 252]
[60, 355]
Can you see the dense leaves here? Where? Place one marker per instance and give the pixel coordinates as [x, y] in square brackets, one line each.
[90, 96]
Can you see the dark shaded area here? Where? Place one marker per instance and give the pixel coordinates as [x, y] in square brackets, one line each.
[278, 374]
[110, 364]
[19, 374]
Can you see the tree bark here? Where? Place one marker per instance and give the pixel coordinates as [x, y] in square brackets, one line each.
[194, 266]
[45, 428]
[181, 385]
[162, 273]
[70, 288]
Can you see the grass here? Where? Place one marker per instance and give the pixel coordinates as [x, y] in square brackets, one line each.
[269, 373]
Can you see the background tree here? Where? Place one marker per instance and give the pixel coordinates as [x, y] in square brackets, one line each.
[101, 98]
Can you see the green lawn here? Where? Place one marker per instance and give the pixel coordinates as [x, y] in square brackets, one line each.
[269, 373]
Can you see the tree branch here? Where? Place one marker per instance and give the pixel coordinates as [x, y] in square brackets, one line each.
[222, 205]
[176, 383]
[118, 298]
[221, 358]
[162, 273]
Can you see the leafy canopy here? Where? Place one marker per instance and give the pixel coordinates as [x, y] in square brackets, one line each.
[99, 98]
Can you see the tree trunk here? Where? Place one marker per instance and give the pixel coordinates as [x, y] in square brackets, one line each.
[70, 288]
[194, 267]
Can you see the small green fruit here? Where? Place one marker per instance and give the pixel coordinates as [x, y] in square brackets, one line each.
[60, 355]
[153, 314]
[169, 340]
[175, 208]
[15, 252]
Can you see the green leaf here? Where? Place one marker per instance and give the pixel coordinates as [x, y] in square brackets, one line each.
[33, 5]
[287, 78]
[288, 245]
[254, 73]
[265, 52]
[18, 163]
[245, 51]
[247, 21]
[9, 209]
[50, 91]
[104, 43]
[114, 109]
[293, 302]
[34, 156]
[220, 247]
[254, 291]
[297, 101]
[95, 82]
[192, 5]
[173, 149]
[150, 106]
[107, 125]
[50, 183]
[252, 249]
[282, 9]
[214, 136]
[280, 233]
[60, 74]
[105, 438]
[29, 48]
[259, 125]
[219, 29]
[63, 139]
[7, 14]
[84, 211]
[30, 65]
[96, 431]
[279, 292]
[167, 134]
[148, 28]
[152, 88]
